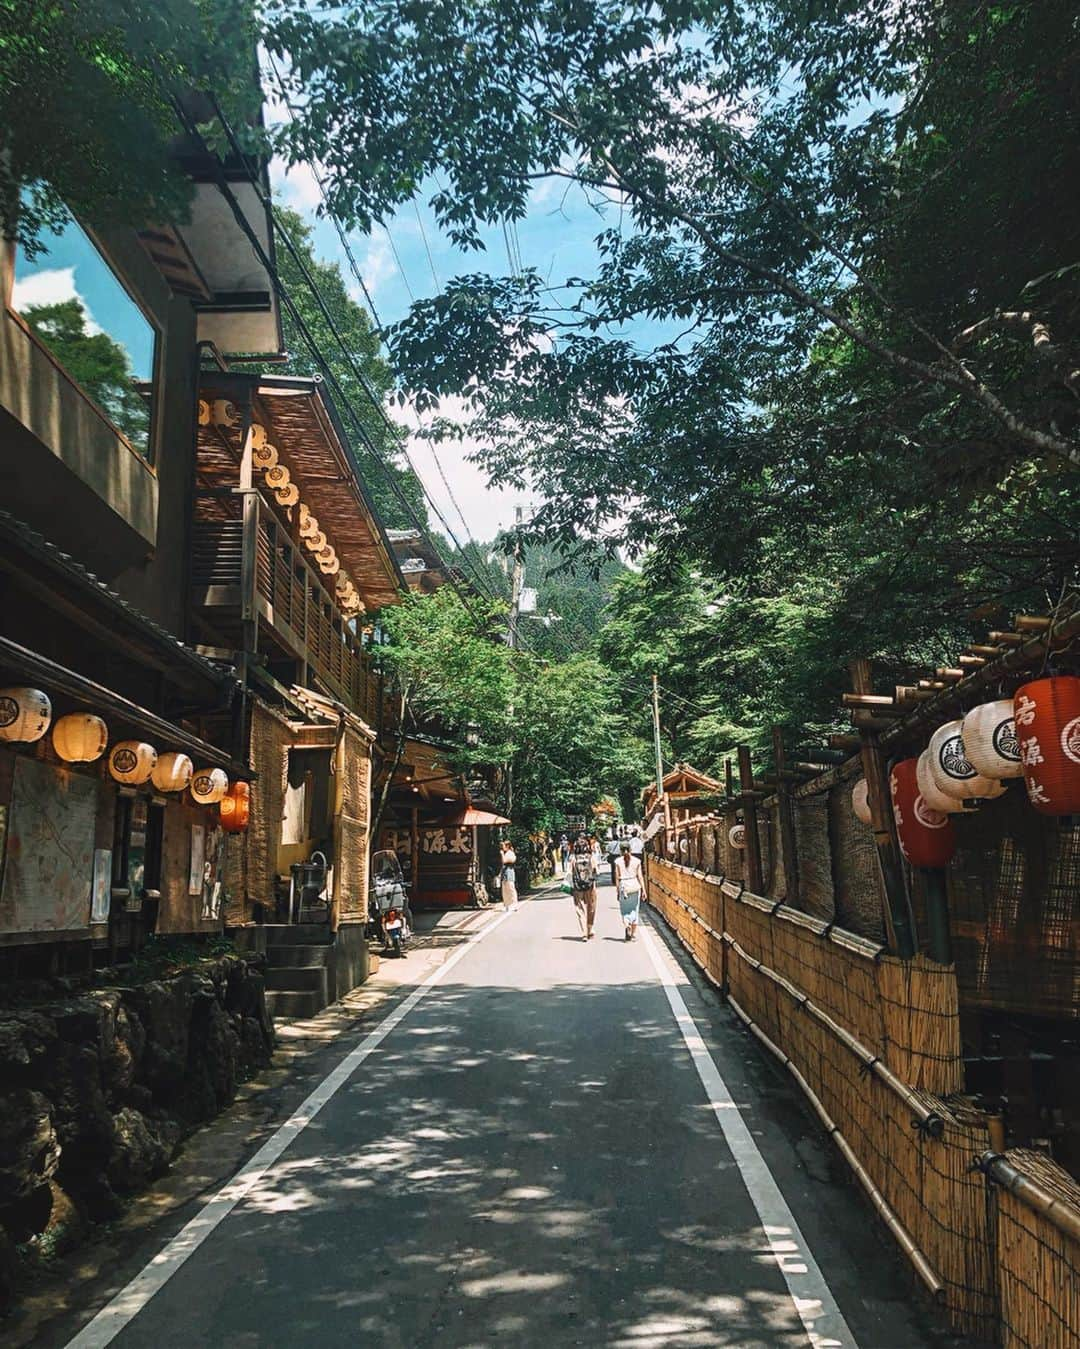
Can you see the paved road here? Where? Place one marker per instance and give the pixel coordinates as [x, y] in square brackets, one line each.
[534, 1156]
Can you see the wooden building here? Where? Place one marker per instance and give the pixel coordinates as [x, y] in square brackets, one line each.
[288, 558]
[95, 482]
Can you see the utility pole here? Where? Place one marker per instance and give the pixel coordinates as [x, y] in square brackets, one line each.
[656, 736]
[517, 579]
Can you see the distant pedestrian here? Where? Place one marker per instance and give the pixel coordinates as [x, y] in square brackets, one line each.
[637, 843]
[564, 851]
[613, 850]
[583, 885]
[631, 887]
[508, 876]
[597, 855]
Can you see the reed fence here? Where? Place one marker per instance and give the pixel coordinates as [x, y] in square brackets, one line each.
[874, 1044]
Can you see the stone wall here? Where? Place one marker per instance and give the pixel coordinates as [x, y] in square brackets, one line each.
[97, 1091]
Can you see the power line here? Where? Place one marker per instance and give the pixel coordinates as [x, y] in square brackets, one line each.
[427, 249]
[349, 357]
[305, 331]
[477, 577]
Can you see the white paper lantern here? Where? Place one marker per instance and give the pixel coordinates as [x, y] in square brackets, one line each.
[860, 802]
[930, 792]
[278, 477]
[173, 771]
[309, 524]
[287, 496]
[80, 737]
[264, 456]
[24, 714]
[737, 836]
[258, 435]
[990, 741]
[209, 785]
[953, 772]
[313, 542]
[132, 761]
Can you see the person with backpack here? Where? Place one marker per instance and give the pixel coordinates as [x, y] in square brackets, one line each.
[583, 885]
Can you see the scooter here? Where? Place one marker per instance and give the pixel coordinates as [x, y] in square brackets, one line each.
[390, 919]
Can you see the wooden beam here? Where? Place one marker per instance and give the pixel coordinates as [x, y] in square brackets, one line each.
[867, 700]
[898, 916]
[1007, 638]
[786, 811]
[1031, 623]
[845, 742]
[969, 663]
[748, 800]
[949, 673]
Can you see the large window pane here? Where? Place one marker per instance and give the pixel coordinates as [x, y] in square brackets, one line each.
[78, 308]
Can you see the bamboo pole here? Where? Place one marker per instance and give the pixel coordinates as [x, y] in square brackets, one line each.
[748, 799]
[899, 918]
[903, 1238]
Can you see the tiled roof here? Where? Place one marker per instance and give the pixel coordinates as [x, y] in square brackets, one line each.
[47, 553]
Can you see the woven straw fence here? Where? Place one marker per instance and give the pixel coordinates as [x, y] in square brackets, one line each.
[776, 966]
[352, 846]
[1038, 1262]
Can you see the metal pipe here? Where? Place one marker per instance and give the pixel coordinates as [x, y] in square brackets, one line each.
[904, 1240]
[937, 915]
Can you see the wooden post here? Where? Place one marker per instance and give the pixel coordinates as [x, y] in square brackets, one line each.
[898, 916]
[414, 848]
[786, 811]
[729, 780]
[749, 809]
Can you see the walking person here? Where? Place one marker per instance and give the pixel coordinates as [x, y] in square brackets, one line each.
[597, 855]
[583, 885]
[508, 876]
[613, 850]
[630, 881]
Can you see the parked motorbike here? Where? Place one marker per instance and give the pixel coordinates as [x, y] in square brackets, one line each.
[390, 918]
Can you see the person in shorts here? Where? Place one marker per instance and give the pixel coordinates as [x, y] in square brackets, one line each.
[583, 885]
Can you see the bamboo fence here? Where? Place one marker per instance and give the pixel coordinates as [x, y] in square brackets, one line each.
[867, 1038]
[1037, 1211]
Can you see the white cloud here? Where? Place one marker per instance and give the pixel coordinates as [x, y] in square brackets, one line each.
[487, 510]
[298, 186]
[50, 286]
[376, 265]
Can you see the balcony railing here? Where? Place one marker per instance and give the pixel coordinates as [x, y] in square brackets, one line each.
[287, 595]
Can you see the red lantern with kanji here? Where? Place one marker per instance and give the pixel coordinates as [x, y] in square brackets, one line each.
[234, 809]
[927, 837]
[1047, 717]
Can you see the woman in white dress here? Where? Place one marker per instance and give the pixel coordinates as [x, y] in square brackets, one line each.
[631, 885]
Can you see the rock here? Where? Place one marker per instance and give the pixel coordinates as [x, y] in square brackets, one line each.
[10, 1270]
[212, 1060]
[29, 1149]
[164, 1010]
[65, 1225]
[138, 1152]
[80, 1112]
[120, 1063]
[99, 1200]
[24, 1038]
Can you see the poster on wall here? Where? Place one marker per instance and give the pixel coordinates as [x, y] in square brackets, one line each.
[198, 860]
[101, 894]
[49, 867]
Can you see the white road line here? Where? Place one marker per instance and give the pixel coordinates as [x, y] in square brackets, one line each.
[127, 1304]
[821, 1317]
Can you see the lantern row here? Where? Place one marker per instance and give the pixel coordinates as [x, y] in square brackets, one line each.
[1034, 735]
[82, 737]
[286, 493]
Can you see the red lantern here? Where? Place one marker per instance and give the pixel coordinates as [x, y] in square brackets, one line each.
[234, 809]
[927, 838]
[1047, 716]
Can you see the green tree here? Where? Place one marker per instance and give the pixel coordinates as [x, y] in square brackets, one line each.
[87, 122]
[97, 364]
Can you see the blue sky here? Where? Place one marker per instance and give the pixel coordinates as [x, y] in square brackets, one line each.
[414, 260]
